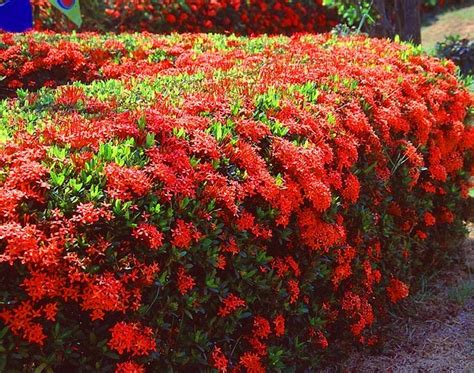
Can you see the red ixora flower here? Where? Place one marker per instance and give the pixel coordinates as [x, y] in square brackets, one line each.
[397, 290]
[184, 234]
[351, 189]
[88, 213]
[126, 183]
[132, 338]
[294, 290]
[279, 324]
[20, 321]
[129, 367]
[221, 262]
[149, 235]
[252, 363]
[218, 360]
[230, 304]
[319, 338]
[185, 281]
[261, 327]
[50, 310]
[429, 219]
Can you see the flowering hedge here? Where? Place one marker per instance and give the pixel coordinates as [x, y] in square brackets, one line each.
[237, 16]
[254, 205]
[33, 60]
[241, 17]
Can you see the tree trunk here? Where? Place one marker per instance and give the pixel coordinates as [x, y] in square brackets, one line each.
[410, 20]
[384, 27]
[398, 17]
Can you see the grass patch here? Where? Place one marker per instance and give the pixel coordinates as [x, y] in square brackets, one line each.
[449, 22]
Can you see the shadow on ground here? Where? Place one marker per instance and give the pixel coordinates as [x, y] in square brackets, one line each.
[434, 330]
[452, 21]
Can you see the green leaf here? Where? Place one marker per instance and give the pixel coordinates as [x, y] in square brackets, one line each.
[41, 368]
[57, 179]
[141, 123]
[3, 332]
[150, 140]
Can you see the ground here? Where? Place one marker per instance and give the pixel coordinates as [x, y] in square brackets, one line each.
[450, 22]
[434, 330]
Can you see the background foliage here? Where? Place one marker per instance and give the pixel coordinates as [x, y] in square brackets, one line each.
[241, 17]
[460, 51]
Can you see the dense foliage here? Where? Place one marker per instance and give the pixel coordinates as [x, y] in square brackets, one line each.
[237, 16]
[249, 203]
[460, 51]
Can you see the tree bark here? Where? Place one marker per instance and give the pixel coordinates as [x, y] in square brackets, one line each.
[398, 17]
[384, 28]
[411, 21]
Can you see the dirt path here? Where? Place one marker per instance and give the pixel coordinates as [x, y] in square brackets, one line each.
[434, 332]
[438, 344]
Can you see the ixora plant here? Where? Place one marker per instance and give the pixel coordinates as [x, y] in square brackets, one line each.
[37, 61]
[254, 205]
[237, 16]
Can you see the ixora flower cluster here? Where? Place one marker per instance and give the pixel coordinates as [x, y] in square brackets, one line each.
[32, 61]
[255, 204]
[237, 16]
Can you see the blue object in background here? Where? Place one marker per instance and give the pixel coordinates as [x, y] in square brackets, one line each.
[15, 15]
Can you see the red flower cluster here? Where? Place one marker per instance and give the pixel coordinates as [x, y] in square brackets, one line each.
[254, 200]
[248, 17]
[230, 304]
[185, 282]
[149, 235]
[184, 234]
[129, 367]
[126, 183]
[33, 63]
[279, 324]
[132, 338]
[20, 322]
[252, 363]
[218, 360]
[397, 290]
